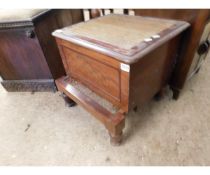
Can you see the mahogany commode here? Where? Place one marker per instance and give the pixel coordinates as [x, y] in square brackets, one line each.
[115, 63]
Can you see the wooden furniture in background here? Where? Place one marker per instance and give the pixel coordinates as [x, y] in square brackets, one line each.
[187, 61]
[29, 57]
[93, 13]
[116, 63]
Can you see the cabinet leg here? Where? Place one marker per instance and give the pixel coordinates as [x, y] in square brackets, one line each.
[116, 140]
[159, 95]
[176, 93]
[69, 102]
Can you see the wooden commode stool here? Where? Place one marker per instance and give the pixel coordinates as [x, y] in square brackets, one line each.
[116, 63]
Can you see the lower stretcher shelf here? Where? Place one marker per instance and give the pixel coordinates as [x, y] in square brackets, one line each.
[101, 101]
[112, 118]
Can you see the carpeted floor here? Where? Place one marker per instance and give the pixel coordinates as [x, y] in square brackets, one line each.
[38, 129]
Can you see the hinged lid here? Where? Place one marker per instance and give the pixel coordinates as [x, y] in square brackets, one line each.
[126, 38]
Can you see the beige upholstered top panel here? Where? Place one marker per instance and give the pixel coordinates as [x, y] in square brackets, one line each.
[124, 37]
[121, 31]
[13, 15]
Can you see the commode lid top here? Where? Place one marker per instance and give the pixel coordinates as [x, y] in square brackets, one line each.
[122, 36]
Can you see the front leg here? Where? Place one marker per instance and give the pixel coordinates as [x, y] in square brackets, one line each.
[115, 129]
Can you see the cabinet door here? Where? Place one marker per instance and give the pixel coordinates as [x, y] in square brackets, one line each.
[21, 56]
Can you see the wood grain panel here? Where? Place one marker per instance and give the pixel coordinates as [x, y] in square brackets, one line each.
[89, 52]
[21, 57]
[104, 78]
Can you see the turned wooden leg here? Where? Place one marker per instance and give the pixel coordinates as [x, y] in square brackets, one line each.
[176, 93]
[69, 102]
[116, 140]
[116, 131]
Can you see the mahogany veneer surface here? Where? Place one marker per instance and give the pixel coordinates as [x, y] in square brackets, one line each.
[124, 59]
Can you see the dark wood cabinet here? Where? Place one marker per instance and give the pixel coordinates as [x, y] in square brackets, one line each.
[29, 57]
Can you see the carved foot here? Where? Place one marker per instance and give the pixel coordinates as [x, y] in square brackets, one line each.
[68, 102]
[116, 140]
[176, 93]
